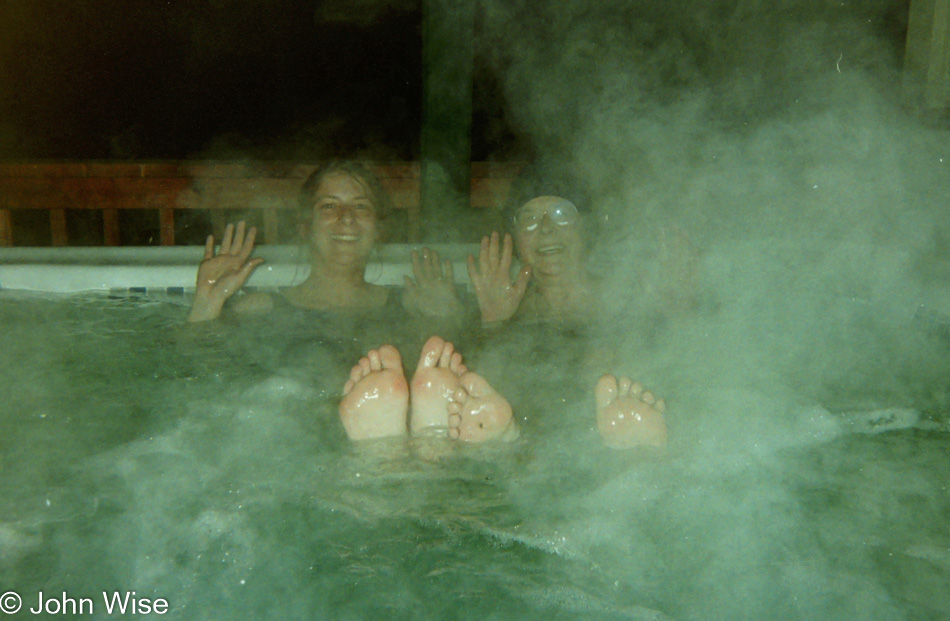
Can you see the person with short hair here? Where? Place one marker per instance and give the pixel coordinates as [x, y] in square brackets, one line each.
[555, 286]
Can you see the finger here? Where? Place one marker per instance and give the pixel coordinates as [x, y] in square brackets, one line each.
[238, 238]
[473, 274]
[493, 251]
[427, 265]
[209, 247]
[506, 253]
[483, 256]
[521, 282]
[248, 246]
[436, 262]
[448, 271]
[416, 266]
[226, 240]
[250, 266]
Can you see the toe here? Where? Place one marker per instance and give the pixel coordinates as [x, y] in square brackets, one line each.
[476, 385]
[389, 358]
[445, 358]
[647, 397]
[605, 392]
[660, 406]
[348, 386]
[623, 386]
[431, 352]
[374, 362]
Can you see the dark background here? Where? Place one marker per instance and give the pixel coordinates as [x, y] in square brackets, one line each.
[307, 79]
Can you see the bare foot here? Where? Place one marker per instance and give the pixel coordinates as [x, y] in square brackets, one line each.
[479, 413]
[628, 415]
[376, 397]
[436, 379]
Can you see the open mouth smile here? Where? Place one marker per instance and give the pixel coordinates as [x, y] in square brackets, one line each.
[552, 249]
[345, 238]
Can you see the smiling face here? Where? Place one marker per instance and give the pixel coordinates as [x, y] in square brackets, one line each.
[548, 236]
[343, 228]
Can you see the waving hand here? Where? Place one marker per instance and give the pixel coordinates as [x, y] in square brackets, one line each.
[498, 296]
[221, 275]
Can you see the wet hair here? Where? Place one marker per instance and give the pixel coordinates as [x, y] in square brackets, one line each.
[359, 171]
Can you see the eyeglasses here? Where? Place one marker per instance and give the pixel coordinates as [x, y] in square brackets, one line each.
[562, 213]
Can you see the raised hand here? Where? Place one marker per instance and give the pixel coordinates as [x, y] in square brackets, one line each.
[498, 296]
[431, 291]
[221, 275]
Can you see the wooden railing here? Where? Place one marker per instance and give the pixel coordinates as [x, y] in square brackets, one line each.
[170, 187]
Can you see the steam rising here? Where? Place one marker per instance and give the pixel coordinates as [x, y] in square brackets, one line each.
[773, 137]
[806, 476]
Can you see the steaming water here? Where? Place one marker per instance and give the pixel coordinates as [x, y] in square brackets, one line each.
[206, 467]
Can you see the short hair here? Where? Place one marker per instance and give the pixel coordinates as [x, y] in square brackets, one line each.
[355, 169]
[545, 179]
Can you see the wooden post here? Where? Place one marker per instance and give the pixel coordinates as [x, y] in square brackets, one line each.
[110, 227]
[166, 226]
[927, 60]
[57, 227]
[6, 228]
[446, 142]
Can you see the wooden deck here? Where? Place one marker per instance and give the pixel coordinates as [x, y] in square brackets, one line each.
[170, 187]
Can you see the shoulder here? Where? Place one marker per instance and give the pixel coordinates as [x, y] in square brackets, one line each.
[257, 302]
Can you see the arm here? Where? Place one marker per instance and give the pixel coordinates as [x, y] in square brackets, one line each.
[498, 297]
[221, 275]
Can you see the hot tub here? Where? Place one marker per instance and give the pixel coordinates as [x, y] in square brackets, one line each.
[204, 466]
[70, 270]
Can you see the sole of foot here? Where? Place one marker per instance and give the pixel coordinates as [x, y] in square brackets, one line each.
[437, 377]
[629, 415]
[376, 397]
[478, 413]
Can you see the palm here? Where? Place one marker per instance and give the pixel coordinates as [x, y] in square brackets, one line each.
[498, 296]
[221, 275]
[431, 291]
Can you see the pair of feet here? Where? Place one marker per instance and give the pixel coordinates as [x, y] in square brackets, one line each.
[444, 396]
